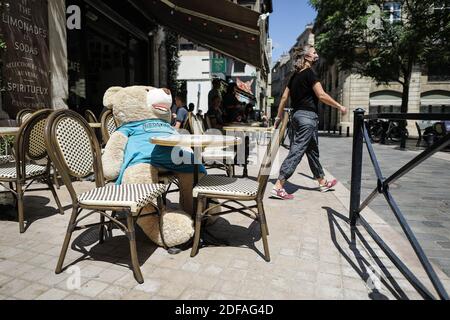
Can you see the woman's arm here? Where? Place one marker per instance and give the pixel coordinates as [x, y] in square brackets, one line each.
[326, 99]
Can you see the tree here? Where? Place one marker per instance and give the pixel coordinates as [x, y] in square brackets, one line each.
[385, 45]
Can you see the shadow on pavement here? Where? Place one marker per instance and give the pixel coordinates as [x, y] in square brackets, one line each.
[362, 266]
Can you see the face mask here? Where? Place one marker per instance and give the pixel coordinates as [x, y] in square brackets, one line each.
[313, 58]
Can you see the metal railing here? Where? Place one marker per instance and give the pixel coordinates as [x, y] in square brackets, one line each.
[360, 134]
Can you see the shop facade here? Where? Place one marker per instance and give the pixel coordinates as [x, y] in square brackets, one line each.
[67, 53]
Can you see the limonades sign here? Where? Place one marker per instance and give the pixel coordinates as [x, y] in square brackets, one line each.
[26, 66]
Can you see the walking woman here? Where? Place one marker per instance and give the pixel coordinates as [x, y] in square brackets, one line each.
[305, 91]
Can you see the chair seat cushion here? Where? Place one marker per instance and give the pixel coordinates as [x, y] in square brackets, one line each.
[133, 196]
[226, 186]
[8, 171]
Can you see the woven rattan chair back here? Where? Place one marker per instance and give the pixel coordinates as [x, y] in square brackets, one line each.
[73, 148]
[90, 116]
[270, 155]
[196, 125]
[109, 125]
[30, 141]
[23, 115]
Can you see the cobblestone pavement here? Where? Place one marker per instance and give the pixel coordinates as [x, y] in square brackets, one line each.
[423, 195]
[313, 256]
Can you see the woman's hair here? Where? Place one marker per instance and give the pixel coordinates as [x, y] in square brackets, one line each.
[299, 57]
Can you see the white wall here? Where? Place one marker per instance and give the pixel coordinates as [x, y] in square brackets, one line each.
[192, 95]
[195, 70]
[194, 65]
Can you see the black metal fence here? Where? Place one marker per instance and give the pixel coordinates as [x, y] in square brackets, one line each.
[361, 135]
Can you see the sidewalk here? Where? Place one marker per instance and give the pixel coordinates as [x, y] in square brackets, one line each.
[312, 256]
[422, 194]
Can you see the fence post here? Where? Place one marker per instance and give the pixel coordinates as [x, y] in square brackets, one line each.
[357, 155]
[340, 130]
[348, 132]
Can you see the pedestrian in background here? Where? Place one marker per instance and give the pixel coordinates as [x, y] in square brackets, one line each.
[214, 94]
[305, 91]
[181, 112]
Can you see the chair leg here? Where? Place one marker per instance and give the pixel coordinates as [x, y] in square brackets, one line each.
[134, 257]
[55, 179]
[231, 170]
[66, 243]
[265, 220]
[101, 232]
[198, 224]
[20, 209]
[262, 222]
[55, 195]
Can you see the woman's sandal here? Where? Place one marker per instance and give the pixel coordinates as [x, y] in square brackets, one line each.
[327, 186]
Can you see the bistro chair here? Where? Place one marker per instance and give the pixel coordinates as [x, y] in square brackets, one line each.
[76, 153]
[237, 191]
[29, 146]
[214, 157]
[109, 125]
[23, 115]
[90, 116]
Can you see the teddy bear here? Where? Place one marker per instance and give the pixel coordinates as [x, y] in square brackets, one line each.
[142, 113]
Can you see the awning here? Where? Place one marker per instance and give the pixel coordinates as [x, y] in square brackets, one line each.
[219, 25]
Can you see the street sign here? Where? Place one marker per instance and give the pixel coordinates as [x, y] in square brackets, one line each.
[218, 65]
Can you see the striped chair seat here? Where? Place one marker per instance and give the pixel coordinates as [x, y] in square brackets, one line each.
[219, 185]
[6, 159]
[211, 154]
[133, 196]
[8, 171]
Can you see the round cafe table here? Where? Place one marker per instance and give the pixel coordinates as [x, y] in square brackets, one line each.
[246, 129]
[8, 131]
[197, 142]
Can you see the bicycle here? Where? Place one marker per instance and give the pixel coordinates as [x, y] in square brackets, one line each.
[381, 131]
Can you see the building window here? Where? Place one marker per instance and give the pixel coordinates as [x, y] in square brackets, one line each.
[239, 67]
[393, 10]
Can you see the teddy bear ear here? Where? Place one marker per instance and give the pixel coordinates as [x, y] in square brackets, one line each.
[109, 95]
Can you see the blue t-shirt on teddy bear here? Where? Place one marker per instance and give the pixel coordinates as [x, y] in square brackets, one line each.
[140, 150]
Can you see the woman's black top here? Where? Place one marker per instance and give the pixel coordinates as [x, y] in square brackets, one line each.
[301, 91]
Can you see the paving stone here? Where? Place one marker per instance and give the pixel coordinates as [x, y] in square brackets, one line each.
[53, 294]
[91, 288]
[31, 292]
[13, 286]
[194, 294]
[330, 280]
[172, 290]
[191, 266]
[149, 286]
[76, 297]
[113, 293]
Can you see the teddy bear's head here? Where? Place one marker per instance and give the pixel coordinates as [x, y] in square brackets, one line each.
[138, 103]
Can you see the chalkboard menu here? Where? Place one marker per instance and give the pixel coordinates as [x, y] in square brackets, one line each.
[26, 65]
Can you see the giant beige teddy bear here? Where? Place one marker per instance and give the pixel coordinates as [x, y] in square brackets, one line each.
[142, 113]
